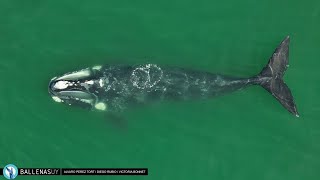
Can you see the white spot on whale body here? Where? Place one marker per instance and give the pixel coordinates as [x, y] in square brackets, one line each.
[88, 101]
[101, 82]
[89, 82]
[101, 106]
[56, 99]
[96, 67]
[61, 85]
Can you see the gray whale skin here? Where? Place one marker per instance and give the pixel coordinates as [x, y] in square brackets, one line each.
[113, 88]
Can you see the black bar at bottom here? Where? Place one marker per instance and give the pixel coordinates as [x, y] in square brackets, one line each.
[104, 171]
[79, 171]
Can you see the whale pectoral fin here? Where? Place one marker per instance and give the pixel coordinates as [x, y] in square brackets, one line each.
[116, 120]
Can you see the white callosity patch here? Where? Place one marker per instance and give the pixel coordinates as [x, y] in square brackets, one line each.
[87, 84]
[101, 106]
[56, 99]
[90, 82]
[62, 84]
[101, 83]
[76, 75]
[88, 101]
[96, 67]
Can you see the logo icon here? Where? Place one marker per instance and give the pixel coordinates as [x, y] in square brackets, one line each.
[10, 171]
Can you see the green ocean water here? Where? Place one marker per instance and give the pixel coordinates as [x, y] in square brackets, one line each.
[244, 135]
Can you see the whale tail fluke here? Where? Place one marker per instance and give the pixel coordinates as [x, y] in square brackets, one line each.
[271, 77]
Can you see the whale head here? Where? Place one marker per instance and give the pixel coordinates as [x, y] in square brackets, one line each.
[78, 88]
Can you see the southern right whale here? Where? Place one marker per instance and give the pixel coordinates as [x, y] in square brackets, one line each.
[114, 88]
